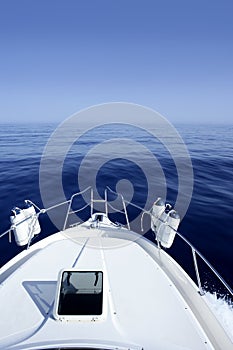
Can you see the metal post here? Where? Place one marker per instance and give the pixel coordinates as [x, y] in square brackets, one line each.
[106, 202]
[197, 272]
[91, 202]
[67, 213]
[126, 215]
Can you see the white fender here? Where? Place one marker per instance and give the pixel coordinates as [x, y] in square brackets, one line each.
[20, 226]
[166, 230]
[157, 210]
[33, 221]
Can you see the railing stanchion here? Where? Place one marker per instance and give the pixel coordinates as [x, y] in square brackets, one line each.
[126, 214]
[106, 202]
[91, 202]
[67, 213]
[197, 272]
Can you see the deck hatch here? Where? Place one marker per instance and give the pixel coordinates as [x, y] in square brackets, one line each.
[81, 293]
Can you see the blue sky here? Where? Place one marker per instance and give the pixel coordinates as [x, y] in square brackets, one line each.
[175, 56]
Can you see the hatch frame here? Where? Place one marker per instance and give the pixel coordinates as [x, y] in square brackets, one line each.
[94, 293]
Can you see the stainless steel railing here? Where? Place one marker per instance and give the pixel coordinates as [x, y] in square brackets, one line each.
[195, 252]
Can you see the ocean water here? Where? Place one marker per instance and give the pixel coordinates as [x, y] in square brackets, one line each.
[208, 223]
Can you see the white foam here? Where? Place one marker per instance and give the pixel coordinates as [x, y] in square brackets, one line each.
[222, 310]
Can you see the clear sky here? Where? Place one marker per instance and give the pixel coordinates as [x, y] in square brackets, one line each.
[59, 56]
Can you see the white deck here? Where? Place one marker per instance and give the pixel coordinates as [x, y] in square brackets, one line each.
[145, 309]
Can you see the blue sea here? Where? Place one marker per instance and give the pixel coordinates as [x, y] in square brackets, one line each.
[208, 223]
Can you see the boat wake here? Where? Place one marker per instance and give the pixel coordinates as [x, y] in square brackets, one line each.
[223, 310]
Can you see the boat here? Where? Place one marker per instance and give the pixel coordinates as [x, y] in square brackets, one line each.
[97, 284]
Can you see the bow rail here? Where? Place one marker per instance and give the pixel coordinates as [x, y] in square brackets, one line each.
[194, 252]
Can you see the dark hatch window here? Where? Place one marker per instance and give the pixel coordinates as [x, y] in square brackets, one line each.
[81, 293]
